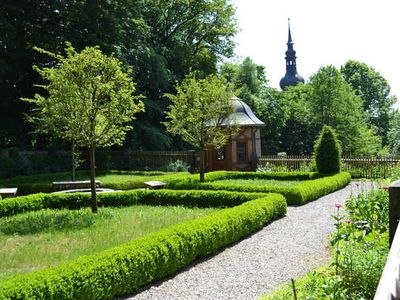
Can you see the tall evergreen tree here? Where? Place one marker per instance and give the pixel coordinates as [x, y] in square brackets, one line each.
[327, 151]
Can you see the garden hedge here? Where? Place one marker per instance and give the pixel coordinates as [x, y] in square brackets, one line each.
[302, 193]
[124, 269]
[42, 183]
[186, 181]
[13, 206]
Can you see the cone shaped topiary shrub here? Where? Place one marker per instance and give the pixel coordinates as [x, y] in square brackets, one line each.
[327, 151]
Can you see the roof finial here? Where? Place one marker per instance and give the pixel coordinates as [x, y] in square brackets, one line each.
[290, 35]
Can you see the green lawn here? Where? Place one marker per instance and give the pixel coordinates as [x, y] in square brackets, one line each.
[259, 182]
[46, 238]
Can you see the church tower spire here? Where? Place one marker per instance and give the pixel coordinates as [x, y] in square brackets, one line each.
[291, 77]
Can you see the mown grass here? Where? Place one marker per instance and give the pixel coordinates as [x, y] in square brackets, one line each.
[37, 240]
[259, 182]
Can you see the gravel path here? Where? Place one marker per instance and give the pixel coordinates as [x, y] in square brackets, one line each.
[286, 248]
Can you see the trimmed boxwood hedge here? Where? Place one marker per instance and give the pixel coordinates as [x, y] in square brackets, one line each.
[302, 193]
[13, 206]
[185, 181]
[124, 269]
[42, 183]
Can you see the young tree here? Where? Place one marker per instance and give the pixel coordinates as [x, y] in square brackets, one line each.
[200, 112]
[89, 102]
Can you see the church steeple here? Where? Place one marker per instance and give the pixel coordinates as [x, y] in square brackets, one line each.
[291, 77]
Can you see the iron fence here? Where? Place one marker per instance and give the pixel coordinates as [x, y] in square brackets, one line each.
[357, 166]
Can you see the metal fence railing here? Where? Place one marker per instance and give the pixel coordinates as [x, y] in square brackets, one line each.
[357, 166]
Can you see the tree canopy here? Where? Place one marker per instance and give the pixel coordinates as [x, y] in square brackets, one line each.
[162, 40]
[374, 91]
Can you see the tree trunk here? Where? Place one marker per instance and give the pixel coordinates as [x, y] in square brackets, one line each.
[92, 177]
[202, 165]
[73, 161]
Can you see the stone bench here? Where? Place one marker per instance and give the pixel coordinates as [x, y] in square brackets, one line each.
[72, 185]
[8, 192]
[154, 185]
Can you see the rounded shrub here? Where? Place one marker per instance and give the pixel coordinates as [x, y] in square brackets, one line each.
[327, 151]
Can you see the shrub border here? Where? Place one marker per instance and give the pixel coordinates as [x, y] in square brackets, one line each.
[198, 198]
[317, 186]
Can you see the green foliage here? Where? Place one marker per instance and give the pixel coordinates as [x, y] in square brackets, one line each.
[296, 195]
[248, 79]
[124, 269]
[34, 202]
[163, 40]
[184, 180]
[90, 98]
[273, 110]
[200, 112]
[326, 100]
[89, 102]
[360, 251]
[371, 209]
[393, 136]
[374, 90]
[260, 182]
[178, 166]
[327, 152]
[49, 220]
[335, 103]
[118, 180]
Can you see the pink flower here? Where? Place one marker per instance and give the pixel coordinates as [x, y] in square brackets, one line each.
[348, 221]
[338, 205]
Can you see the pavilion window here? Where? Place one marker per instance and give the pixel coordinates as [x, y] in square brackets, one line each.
[241, 149]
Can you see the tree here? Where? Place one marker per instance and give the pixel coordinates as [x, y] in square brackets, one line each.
[327, 151]
[162, 40]
[48, 24]
[394, 133]
[248, 78]
[89, 102]
[297, 134]
[374, 91]
[200, 112]
[333, 102]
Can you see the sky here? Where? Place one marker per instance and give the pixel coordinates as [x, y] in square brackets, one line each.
[324, 32]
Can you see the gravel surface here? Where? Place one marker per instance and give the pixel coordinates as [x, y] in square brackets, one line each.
[286, 248]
